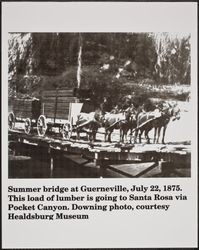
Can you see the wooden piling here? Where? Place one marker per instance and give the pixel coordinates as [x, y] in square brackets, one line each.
[51, 166]
[51, 159]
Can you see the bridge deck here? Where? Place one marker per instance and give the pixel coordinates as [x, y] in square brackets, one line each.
[114, 156]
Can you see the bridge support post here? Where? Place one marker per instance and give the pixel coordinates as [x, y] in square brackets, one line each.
[100, 164]
[51, 166]
[167, 168]
[51, 162]
[102, 170]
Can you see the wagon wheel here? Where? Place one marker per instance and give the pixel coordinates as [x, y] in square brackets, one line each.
[67, 130]
[11, 120]
[27, 126]
[41, 125]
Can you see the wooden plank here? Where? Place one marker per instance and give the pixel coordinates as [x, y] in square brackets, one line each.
[58, 91]
[48, 105]
[21, 111]
[63, 100]
[133, 170]
[22, 115]
[58, 116]
[60, 95]
[76, 159]
[108, 173]
[19, 101]
[24, 106]
[48, 99]
[17, 109]
[52, 105]
[53, 93]
[18, 113]
[64, 111]
[23, 101]
[65, 90]
[63, 105]
[66, 99]
[154, 172]
[50, 111]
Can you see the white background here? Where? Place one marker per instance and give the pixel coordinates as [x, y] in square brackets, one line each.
[175, 228]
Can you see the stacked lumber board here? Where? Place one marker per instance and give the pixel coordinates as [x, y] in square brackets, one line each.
[26, 108]
[10, 104]
[56, 103]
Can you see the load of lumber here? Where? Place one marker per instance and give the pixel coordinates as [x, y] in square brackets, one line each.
[56, 103]
[59, 92]
[27, 108]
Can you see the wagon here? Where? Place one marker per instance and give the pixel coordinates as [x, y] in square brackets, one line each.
[54, 109]
[59, 108]
[26, 110]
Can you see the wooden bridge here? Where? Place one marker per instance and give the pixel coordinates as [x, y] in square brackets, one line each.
[126, 160]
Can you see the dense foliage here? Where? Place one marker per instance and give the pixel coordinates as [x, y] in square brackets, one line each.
[108, 61]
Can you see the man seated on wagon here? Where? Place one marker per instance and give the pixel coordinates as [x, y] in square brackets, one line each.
[126, 102]
[106, 105]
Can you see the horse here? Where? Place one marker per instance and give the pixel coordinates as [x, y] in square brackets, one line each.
[89, 122]
[111, 122]
[128, 124]
[146, 121]
[124, 120]
[171, 113]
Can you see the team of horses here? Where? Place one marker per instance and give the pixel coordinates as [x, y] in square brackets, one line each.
[137, 121]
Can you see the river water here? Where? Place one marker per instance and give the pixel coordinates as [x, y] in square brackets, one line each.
[30, 167]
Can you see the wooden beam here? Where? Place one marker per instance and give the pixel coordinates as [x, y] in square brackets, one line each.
[133, 170]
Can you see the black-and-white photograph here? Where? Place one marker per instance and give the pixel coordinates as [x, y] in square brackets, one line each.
[99, 105]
